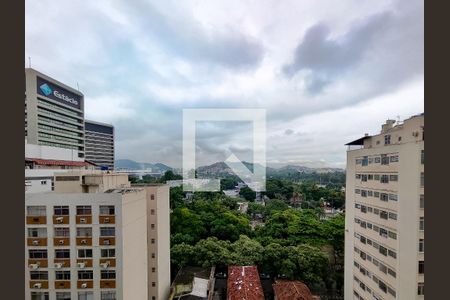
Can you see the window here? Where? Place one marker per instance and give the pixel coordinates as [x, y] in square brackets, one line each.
[383, 268]
[39, 296]
[152, 241]
[369, 225]
[152, 211]
[383, 197]
[376, 228]
[369, 209]
[370, 177]
[421, 267]
[422, 156]
[387, 139]
[108, 252]
[363, 240]
[108, 274]
[384, 159]
[153, 270]
[363, 224]
[85, 274]
[376, 177]
[62, 275]
[84, 210]
[357, 205]
[377, 160]
[393, 158]
[383, 232]
[153, 283]
[391, 291]
[392, 254]
[85, 253]
[357, 191]
[365, 161]
[421, 288]
[376, 194]
[39, 275]
[153, 255]
[422, 179]
[84, 232]
[383, 215]
[152, 226]
[364, 177]
[369, 193]
[62, 231]
[393, 216]
[37, 232]
[107, 210]
[152, 197]
[392, 273]
[61, 210]
[36, 211]
[382, 250]
[384, 179]
[85, 295]
[109, 295]
[421, 245]
[37, 254]
[382, 286]
[392, 235]
[358, 176]
[63, 296]
[422, 201]
[363, 193]
[62, 253]
[393, 177]
[43, 182]
[107, 231]
[422, 223]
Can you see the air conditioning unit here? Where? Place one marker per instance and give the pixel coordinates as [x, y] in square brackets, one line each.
[61, 242]
[84, 285]
[35, 243]
[81, 265]
[106, 220]
[37, 285]
[59, 220]
[33, 266]
[83, 242]
[58, 265]
[83, 220]
[106, 242]
[104, 265]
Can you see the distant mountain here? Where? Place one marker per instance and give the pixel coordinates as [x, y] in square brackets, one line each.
[133, 165]
[303, 169]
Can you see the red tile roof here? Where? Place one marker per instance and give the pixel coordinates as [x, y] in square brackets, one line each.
[53, 162]
[244, 284]
[292, 290]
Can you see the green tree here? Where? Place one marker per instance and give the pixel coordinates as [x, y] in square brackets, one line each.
[212, 252]
[176, 197]
[247, 193]
[229, 226]
[247, 251]
[181, 255]
[184, 221]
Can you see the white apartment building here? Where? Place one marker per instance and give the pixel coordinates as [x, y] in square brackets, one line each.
[97, 237]
[384, 227]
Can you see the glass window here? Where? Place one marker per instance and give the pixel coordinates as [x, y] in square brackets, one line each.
[384, 197]
[108, 252]
[62, 231]
[376, 194]
[108, 274]
[422, 156]
[393, 177]
[36, 211]
[387, 139]
[377, 160]
[85, 295]
[62, 275]
[392, 235]
[382, 250]
[421, 267]
[61, 210]
[384, 215]
[422, 179]
[393, 158]
[365, 161]
[384, 159]
[84, 232]
[393, 216]
[422, 201]
[84, 210]
[384, 179]
[108, 295]
[393, 197]
[85, 253]
[376, 177]
[37, 232]
[107, 210]
[62, 253]
[421, 288]
[85, 275]
[392, 254]
[39, 296]
[39, 275]
[107, 231]
[392, 273]
[422, 223]
[421, 245]
[37, 254]
[62, 295]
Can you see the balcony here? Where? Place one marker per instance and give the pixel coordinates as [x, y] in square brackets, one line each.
[84, 241]
[110, 262]
[62, 263]
[62, 284]
[35, 241]
[36, 219]
[38, 284]
[107, 284]
[84, 219]
[39, 263]
[61, 241]
[86, 262]
[107, 219]
[85, 284]
[60, 219]
[107, 241]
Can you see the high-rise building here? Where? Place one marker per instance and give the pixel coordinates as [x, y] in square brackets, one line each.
[100, 143]
[384, 227]
[97, 237]
[54, 113]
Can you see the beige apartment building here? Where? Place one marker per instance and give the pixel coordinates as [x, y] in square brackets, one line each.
[384, 227]
[97, 237]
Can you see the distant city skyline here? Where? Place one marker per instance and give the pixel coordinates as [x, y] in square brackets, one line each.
[325, 76]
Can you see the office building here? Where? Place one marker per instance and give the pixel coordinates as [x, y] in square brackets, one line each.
[384, 227]
[97, 237]
[54, 113]
[99, 141]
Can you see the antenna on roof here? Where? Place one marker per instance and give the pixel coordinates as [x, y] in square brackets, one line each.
[78, 87]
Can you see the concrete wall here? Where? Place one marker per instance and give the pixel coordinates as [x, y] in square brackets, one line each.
[48, 152]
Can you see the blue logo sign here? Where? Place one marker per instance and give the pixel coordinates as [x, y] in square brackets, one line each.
[45, 89]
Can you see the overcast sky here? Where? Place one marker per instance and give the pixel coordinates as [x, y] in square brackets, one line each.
[326, 71]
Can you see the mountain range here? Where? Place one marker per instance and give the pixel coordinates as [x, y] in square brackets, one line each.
[134, 165]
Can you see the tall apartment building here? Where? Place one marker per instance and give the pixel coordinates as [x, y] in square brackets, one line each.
[54, 113]
[384, 238]
[97, 237]
[99, 143]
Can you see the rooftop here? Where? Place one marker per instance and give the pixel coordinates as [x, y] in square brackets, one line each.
[244, 283]
[191, 283]
[53, 162]
[292, 290]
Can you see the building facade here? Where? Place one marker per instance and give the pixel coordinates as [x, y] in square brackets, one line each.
[104, 240]
[54, 113]
[100, 143]
[384, 227]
